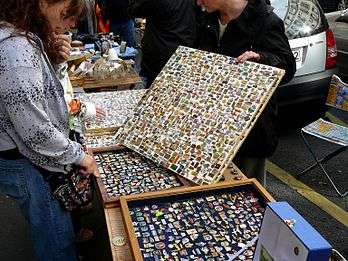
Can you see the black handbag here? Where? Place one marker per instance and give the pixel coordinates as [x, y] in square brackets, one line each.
[73, 190]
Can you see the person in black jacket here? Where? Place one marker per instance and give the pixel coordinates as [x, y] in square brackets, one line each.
[116, 11]
[249, 30]
[169, 23]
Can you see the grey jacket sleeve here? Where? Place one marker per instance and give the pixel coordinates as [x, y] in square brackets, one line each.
[28, 102]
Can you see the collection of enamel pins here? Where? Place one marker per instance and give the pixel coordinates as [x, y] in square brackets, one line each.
[117, 105]
[125, 172]
[198, 112]
[191, 122]
[101, 140]
[223, 226]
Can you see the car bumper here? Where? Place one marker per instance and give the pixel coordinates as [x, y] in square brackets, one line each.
[311, 87]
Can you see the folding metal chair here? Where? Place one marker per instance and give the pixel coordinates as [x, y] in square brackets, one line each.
[331, 132]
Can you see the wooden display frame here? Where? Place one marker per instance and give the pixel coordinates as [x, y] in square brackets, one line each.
[101, 131]
[110, 202]
[107, 149]
[89, 83]
[126, 200]
[116, 228]
[232, 174]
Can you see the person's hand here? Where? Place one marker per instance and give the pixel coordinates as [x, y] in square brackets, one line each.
[88, 166]
[100, 112]
[62, 44]
[248, 56]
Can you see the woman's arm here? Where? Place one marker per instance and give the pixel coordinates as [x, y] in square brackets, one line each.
[23, 97]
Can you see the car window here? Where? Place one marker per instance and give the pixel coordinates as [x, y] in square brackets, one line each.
[301, 17]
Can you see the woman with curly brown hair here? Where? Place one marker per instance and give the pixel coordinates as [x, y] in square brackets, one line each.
[34, 118]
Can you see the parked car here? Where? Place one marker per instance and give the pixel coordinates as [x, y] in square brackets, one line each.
[314, 48]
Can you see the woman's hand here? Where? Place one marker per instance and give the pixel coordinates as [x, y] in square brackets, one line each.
[248, 56]
[62, 44]
[88, 166]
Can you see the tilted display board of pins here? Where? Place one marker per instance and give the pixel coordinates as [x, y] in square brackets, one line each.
[198, 112]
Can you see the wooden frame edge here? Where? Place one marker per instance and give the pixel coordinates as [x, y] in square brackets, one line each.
[185, 190]
[128, 225]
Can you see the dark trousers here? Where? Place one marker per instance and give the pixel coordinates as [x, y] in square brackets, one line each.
[125, 29]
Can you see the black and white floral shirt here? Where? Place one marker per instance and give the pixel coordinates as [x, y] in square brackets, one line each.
[33, 112]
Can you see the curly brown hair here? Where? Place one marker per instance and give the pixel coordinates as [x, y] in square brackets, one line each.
[26, 16]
